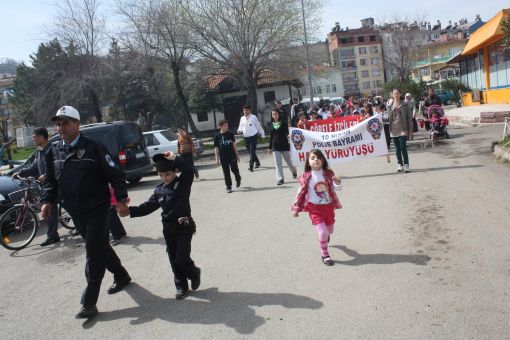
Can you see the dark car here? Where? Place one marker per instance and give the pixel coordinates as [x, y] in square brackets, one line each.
[125, 143]
[7, 185]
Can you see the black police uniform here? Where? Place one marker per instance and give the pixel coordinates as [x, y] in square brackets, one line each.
[79, 177]
[174, 201]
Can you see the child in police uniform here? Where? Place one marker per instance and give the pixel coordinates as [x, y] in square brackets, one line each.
[172, 196]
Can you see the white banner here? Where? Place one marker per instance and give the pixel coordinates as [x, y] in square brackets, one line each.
[364, 140]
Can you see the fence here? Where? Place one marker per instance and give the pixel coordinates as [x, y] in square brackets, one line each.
[506, 129]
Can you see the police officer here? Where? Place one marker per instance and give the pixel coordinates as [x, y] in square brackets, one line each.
[78, 173]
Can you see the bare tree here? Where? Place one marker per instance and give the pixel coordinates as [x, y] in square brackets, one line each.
[80, 25]
[246, 37]
[401, 38]
[157, 27]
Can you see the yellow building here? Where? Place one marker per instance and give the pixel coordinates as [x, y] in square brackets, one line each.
[485, 64]
[432, 59]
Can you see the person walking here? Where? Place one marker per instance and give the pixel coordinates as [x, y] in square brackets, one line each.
[280, 147]
[225, 152]
[78, 171]
[172, 196]
[37, 169]
[400, 119]
[186, 148]
[250, 127]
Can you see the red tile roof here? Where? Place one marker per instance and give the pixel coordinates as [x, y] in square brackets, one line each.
[267, 77]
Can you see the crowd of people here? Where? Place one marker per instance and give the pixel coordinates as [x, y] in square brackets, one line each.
[79, 174]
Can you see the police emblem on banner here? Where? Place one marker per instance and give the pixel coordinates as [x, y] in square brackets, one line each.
[374, 126]
[80, 153]
[297, 139]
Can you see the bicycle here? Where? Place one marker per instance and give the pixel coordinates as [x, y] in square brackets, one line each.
[19, 224]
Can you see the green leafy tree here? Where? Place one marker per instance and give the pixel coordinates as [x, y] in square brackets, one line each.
[505, 27]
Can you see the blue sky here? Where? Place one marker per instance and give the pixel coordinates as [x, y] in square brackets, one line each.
[23, 21]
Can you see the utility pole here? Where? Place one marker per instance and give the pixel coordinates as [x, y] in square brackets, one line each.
[307, 54]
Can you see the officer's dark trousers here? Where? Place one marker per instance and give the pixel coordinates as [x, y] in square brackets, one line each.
[93, 227]
[251, 146]
[178, 247]
[188, 156]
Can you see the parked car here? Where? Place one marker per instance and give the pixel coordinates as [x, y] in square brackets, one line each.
[124, 142]
[7, 185]
[446, 97]
[160, 141]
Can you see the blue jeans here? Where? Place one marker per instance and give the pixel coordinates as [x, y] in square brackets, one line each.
[251, 146]
[401, 149]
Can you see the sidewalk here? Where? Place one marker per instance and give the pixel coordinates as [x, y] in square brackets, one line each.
[485, 113]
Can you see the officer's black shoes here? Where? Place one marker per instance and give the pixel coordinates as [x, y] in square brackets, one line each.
[119, 285]
[250, 169]
[181, 294]
[195, 283]
[87, 312]
[238, 182]
[229, 190]
[257, 165]
[50, 241]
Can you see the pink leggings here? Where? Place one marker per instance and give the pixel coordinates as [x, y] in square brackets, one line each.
[323, 232]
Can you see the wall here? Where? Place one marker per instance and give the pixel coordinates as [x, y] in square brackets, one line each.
[499, 96]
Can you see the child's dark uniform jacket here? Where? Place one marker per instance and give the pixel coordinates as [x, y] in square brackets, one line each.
[173, 199]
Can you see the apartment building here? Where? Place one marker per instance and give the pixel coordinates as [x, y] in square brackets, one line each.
[358, 55]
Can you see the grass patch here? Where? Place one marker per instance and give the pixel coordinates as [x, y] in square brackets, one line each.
[22, 153]
[505, 142]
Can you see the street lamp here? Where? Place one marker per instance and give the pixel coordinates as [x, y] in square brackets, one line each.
[307, 54]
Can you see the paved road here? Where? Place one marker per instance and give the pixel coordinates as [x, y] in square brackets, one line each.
[418, 256]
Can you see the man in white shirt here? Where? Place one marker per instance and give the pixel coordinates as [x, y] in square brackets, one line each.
[249, 126]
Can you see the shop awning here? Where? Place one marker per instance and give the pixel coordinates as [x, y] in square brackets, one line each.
[487, 34]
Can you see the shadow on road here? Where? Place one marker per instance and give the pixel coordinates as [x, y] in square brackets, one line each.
[424, 170]
[361, 259]
[204, 307]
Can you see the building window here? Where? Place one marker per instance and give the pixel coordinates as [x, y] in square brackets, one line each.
[347, 53]
[351, 87]
[349, 76]
[375, 61]
[372, 38]
[333, 87]
[362, 50]
[376, 72]
[328, 89]
[361, 39]
[374, 49]
[269, 96]
[377, 83]
[365, 74]
[366, 85]
[348, 64]
[363, 62]
[348, 40]
[202, 117]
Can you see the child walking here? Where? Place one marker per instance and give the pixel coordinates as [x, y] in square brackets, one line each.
[172, 196]
[225, 152]
[186, 148]
[317, 196]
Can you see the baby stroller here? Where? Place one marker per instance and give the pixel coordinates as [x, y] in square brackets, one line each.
[438, 123]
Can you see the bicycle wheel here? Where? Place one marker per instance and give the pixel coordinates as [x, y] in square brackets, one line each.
[65, 219]
[18, 226]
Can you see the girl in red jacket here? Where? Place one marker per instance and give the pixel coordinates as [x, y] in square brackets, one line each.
[317, 196]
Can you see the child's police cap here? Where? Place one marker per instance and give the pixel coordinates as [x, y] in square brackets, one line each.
[163, 164]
